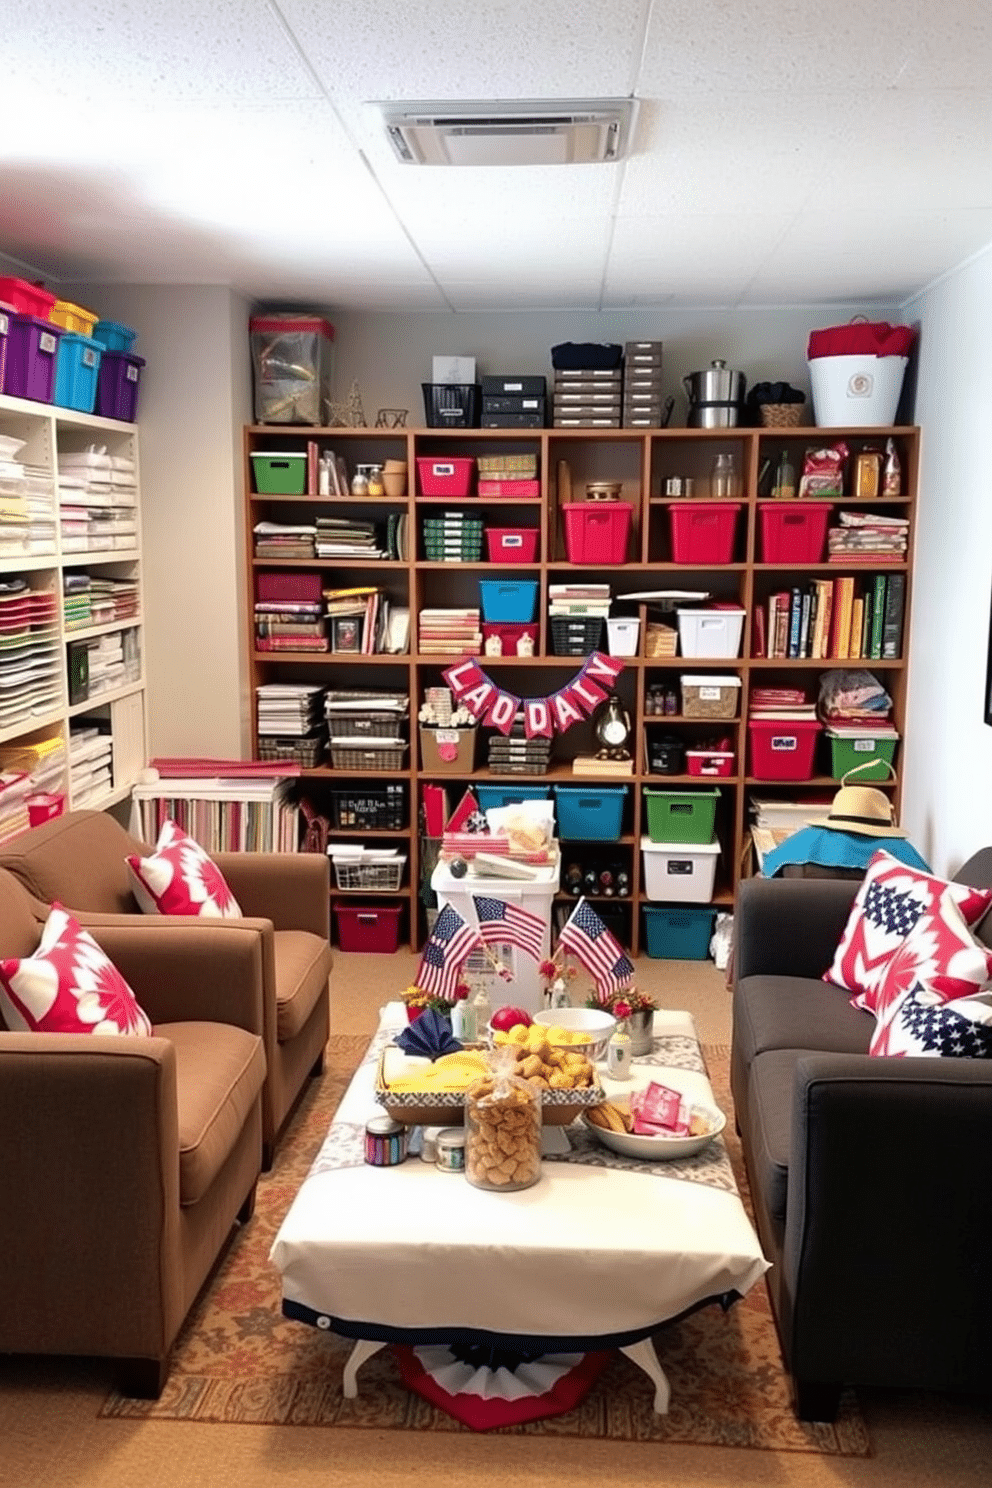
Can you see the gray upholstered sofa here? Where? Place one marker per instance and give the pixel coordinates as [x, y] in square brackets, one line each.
[871, 1177]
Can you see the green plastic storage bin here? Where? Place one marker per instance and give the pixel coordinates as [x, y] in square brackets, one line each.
[681, 816]
[280, 473]
[678, 932]
[870, 754]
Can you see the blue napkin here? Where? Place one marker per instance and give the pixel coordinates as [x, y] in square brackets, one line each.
[430, 1034]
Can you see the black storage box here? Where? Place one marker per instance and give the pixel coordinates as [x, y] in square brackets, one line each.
[524, 387]
[512, 403]
[513, 420]
[451, 405]
[591, 354]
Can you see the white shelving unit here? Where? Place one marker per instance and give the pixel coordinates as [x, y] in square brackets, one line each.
[120, 710]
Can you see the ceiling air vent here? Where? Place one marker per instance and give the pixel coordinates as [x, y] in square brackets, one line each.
[517, 132]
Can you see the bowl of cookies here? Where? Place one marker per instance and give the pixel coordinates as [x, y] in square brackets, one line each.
[612, 1122]
[585, 1029]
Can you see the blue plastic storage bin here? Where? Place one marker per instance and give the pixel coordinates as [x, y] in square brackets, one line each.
[511, 601]
[490, 796]
[678, 932]
[590, 813]
[77, 370]
[113, 336]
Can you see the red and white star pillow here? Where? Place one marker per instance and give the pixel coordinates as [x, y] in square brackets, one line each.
[179, 878]
[890, 901]
[68, 986]
[939, 965]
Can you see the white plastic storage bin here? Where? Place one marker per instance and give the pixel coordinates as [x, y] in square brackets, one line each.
[525, 988]
[858, 390]
[710, 632]
[679, 872]
[623, 635]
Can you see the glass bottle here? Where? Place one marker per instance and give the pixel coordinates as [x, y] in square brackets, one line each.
[725, 481]
[463, 1024]
[482, 1008]
[784, 484]
[618, 1052]
[359, 483]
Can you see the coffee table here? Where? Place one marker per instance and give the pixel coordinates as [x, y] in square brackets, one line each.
[598, 1254]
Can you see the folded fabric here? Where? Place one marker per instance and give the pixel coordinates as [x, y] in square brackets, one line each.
[861, 338]
[430, 1034]
[830, 849]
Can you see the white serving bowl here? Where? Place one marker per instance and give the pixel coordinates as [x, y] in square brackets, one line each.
[661, 1149]
[595, 1025]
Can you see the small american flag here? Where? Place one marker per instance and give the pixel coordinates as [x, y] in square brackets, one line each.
[587, 937]
[449, 944]
[501, 923]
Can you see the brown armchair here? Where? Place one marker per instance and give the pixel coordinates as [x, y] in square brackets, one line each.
[125, 1162]
[78, 860]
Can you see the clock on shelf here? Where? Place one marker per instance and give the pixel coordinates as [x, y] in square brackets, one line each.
[612, 730]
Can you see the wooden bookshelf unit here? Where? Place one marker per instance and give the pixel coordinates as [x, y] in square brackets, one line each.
[644, 461]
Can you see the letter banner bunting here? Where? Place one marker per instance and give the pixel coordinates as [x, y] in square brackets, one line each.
[543, 716]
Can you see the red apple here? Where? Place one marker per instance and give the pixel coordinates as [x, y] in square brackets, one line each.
[505, 1018]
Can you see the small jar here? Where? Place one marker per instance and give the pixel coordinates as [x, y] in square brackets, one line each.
[725, 481]
[502, 1133]
[375, 481]
[359, 483]
[428, 1143]
[449, 1149]
[385, 1142]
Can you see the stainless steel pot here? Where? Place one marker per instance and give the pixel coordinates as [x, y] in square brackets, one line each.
[716, 396]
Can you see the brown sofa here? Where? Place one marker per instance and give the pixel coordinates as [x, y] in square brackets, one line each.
[78, 861]
[125, 1162]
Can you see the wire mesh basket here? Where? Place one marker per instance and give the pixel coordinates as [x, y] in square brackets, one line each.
[365, 877]
[578, 637]
[346, 757]
[367, 725]
[306, 751]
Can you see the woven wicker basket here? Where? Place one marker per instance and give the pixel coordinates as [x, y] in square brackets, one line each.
[661, 640]
[782, 415]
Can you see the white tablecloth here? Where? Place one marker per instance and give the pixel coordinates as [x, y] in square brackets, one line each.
[587, 1255]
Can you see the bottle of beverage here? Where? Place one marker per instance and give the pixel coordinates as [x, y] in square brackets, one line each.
[891, 471]
[623, 883]
[463, 1024]
[784, 484]
[573, 879]
[606, 882]
[590, 881]
[618, 1053]
[482, 1008]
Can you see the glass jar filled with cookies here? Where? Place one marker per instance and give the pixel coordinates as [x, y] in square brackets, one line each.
[502, 1128]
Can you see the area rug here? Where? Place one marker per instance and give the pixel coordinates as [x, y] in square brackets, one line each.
[238, 1360]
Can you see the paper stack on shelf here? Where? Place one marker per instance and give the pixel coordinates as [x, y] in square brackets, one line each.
[14, 791]
[345, 537]
[90, 764]
[97, 501]
[30, 685]
[288, 709]
[285, 540]
[579, 599]
[450, 632]
[43, 760]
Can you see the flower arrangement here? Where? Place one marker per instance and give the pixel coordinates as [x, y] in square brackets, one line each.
[417, 1000]
[627, 998]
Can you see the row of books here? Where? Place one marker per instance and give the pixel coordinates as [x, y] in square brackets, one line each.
[221, 814]
[579, 599]
[848, 617]
[95, 599]
[333, 537]
[365, 620]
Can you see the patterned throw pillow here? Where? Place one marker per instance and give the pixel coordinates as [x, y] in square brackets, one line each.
[68, 986]
[179, 878]
[889, 902]
[940, 963]
[922, 1024]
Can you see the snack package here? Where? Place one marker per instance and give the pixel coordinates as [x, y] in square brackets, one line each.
[502, 1128]
[659, 1110]
[823, 471]
[529, 826]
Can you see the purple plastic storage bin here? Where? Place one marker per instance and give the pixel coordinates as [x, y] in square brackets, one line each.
[117, 388]
[5, 317]
[32, 348]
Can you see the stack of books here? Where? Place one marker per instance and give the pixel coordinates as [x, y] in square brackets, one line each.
[444, 632]
[288, 709]
[364, 621]
[290, 625]
[781, 703]
[579, 599]
[285, 540]
[863, 537]
[344, 537]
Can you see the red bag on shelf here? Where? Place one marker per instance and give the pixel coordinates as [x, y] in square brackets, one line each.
[861, 338]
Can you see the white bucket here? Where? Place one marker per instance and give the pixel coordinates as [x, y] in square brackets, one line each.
[623, 634]
[856, 390]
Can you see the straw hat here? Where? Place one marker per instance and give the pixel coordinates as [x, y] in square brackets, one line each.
[864, 810]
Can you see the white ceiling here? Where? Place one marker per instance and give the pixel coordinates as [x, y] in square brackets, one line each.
[786, 151]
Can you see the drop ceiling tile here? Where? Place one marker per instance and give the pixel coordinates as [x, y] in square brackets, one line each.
[172, 49]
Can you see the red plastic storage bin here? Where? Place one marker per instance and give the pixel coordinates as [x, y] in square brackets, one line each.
[508, 633]
[307, 587]
[511, 544]
[597, 531]
[32, 351]
[782, 748]
[794, 532]
[368, 927]
[448, 477]
[26, 298]
[117, 387]
[718, 762]
[703, 531]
